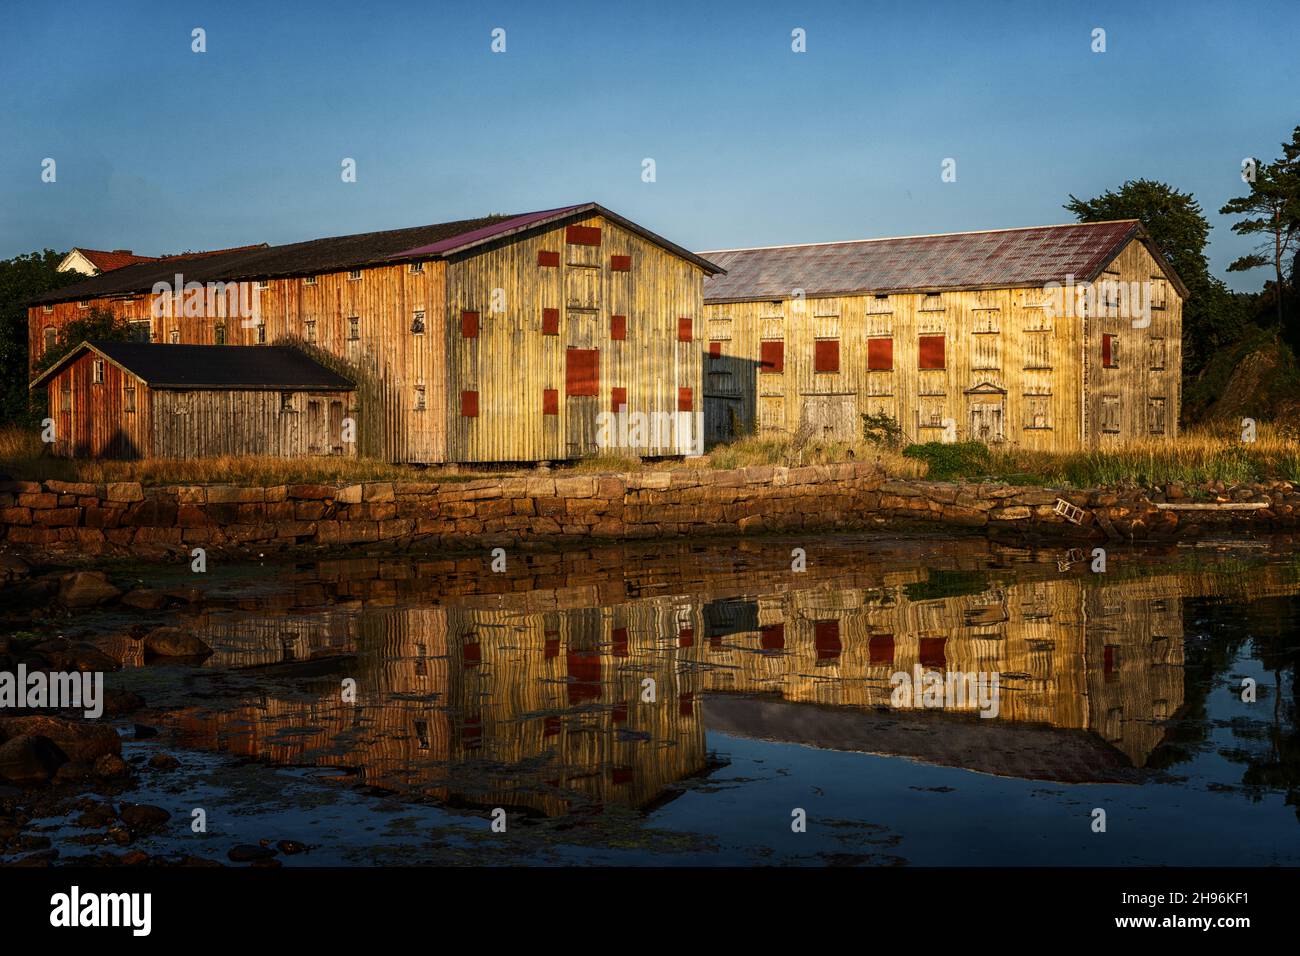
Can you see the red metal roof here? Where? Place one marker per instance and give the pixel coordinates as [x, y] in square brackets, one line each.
[108, 261]
[968, 260]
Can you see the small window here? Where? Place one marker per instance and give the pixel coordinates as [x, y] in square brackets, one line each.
[1158, 292]
[548, 259]
[219, 334]
[618, 328]
[419, 398]
[1156, 416]
[47, 309]
[1038, 411]
[1157, 351]
[286, 401]
[771, 356]
[309, 331]
[932, 352]
[97, 373]
[684, 330]
[1109, 350]
[128, 399]
[261, 333]
[685, 400]
[582, 235]
[826, 355]
[932, 302]
[65, 397]
[715, 350]
[354, 275]
[83, 304]
[617, 400]
[140, 331]
[880, 355]
[263, 283]
[1110, 414]
[354, 328]
[417, 268]
[417, 322]
[309, 280]
[174, 337]
[51, 337]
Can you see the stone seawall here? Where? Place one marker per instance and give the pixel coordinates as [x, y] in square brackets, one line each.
[128, 519]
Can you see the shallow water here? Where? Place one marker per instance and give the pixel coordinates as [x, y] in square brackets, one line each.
[681, 704]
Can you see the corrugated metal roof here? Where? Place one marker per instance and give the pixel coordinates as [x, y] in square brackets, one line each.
[213, 366]
[337, 253]
[969, 260]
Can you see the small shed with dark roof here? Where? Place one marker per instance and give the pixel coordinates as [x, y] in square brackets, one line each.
[141, 400]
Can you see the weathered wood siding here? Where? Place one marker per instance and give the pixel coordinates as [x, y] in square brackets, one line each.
[91, 419]
[511, 362]
[1013, 370]
[199, 424]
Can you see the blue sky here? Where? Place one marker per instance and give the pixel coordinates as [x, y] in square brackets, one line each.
[160, 149]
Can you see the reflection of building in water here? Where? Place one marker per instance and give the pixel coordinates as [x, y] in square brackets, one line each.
[536, 696]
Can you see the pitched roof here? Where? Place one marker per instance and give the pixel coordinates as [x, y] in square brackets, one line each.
[251, 367]
[441, 240]
[1000, 258]
[108, 261]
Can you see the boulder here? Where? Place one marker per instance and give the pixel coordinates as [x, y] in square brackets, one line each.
[77, 740]
[145, 599]
[140, 816]
[173, 642]
[28, 759]
[79, 589]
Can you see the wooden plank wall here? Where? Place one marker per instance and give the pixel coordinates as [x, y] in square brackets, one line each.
[1001, 339]
[197, 424]
[90, 418]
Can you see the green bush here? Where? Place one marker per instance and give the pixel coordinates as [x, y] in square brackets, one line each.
[957, 460]
[882, 429]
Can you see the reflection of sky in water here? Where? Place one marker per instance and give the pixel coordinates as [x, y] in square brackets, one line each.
[773, 693]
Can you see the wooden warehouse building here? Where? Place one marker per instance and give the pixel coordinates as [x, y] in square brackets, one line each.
[135, 400]
[956, 337]
[500, 339]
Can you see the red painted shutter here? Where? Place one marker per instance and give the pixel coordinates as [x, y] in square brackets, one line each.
[469, 325]
[620, 263]
[772, 356]
[932, 351]
[880, 354]
[715, 350]
[550, 321]
[826, 355]
[1105, 351]
[550, 401]
[617, 398]
[582, 372]
[469, 404]
[545, 258]
[684, 330]
[618, 327]
[582, 235]
[826, 638]
[685, 400]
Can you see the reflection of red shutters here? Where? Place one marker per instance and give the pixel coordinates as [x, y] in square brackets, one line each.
[686, 706]
[826, 638]
[881, 648]
[685, 400]
[617, 399]
[619, 716]
[772, 637]
[550, 401]
[686, 637]
[880, 354]
[620, 642]
[472, 654]
[552, 643]
[584, 676]
[582, 372]
[826, 355]
[582, 235]
[931, 654]
[618, 327]
[772, 356]
[932, 351]
[469, 404]
[548, 258]
[550, 321]
[684, 330]
[1110, 663]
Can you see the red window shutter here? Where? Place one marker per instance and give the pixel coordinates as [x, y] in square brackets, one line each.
[1106, 351]
[826, 638]
[772, 356]
[582, 372]
[618, 327]
[932, 351]
[469, 404]
[582, 235]
[826, 355]
[550, 321]
[550, 401]
[931, 653]
[684, 330]
[620, 263]
[880, 355]
[685, 400]
[469, 325]
[617, 398]
[881, 649]
[545, 258]
[715, 350]
[772, 637]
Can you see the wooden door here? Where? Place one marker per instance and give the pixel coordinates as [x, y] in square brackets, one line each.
[986, 421]
[832, 417]
[315, 428]
[581, 400]
[335, 440]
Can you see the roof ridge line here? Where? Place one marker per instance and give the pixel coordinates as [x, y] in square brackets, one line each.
[927, 235]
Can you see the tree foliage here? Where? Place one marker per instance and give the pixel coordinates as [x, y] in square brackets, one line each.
[22, 278]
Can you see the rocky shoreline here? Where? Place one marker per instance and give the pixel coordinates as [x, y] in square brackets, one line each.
[128, 520]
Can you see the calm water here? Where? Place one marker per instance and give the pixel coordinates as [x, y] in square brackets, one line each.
[676, 705]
